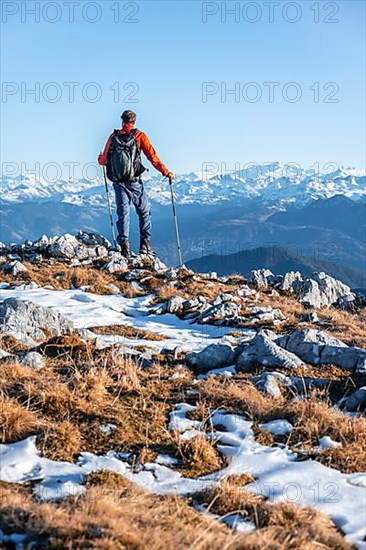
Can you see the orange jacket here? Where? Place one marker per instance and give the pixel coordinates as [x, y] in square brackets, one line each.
[144, 145]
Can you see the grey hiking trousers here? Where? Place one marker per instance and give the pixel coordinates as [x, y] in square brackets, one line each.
[127, 193]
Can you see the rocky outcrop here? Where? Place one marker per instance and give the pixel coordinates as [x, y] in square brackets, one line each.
[270, 383]
[321, 290]
[175, 304]
[83, 249]
[289, 281]
[320, 348]
[93, 239]
[245, 291]
[356, 402]
[213, 357]
[33, 360]
[25, 319]
[69, 247]
[225, 313]
[223, 310]
[265, 314]
[262, 278]
[13, 267]
[117, 263]
[80, 248]
[263, 350]
[195, 306]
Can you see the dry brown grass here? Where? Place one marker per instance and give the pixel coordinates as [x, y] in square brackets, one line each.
[201, 413]
[130, 291]
[16, 422]
[312, 418]
[240, 396]
[209, 289]
[144, 456]
[67, 402]
[63, 276]
[61, 440]
[153, 281]
[68, 346]
[166, 291]
[127, 331]
[114, 513]
[10, 344]
[284, 524]
[292, 309]
[347, 326]
[199, 456]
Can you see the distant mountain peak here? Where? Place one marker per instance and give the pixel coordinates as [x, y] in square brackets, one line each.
[270, 183]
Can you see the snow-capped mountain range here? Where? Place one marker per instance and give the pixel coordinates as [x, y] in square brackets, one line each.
[269, 183]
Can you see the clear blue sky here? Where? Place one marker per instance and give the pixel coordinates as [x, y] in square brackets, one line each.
[169, 52]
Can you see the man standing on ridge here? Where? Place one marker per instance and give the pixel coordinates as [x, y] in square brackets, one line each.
[122, 157]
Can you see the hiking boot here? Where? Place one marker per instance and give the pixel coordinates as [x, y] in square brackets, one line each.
[145, 247]
[125, 249]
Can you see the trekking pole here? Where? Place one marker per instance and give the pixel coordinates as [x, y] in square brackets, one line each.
[176, 223]
[110, 208]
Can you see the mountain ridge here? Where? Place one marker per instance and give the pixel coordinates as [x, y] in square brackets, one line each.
[278, 260]
[283, 184]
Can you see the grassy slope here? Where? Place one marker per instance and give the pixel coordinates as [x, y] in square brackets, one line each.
[82, 388]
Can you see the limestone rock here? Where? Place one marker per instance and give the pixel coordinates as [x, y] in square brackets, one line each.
[173, 305]
[214, 356]
[266, 314]
[262, 278]
[26, 319]
[268, 382]
[195, 304]
[320, 348]
[321, 290]
[41, 244]
[93, 239]
[64, 247]
[158, 265]
[225, 313]
[116, 263]
[33, 360]
[34, 258]
[347, 302]
[289, 280]
[70, 248]
[245, 291]
[4, 353]
[356, 401]
[264, 351]
[14, 267]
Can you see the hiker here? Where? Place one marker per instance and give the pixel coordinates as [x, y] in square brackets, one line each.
[122, 158]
